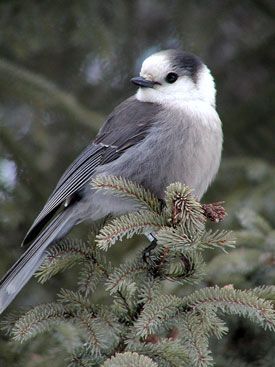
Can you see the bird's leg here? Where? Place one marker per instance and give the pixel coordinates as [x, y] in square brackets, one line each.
[146, 254]
[162, 204]
[152, 237]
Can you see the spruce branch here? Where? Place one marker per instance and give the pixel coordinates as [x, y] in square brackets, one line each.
[8, 323]
[215, 211]
[129, 359]
[210, 323]
[127, 226]
[124, 305]
[184, 268]
[100, 333]
[94, 334]
[138, 321]
[94, 271]
[40, 319]
[125, 188]
[236, 302]
[183, 207]
[195, 341]
[150, 290]
[125, 274]
[90, 276]
[265, 291]
[84, 357]
[74, 298]
[62, 256]
[166, 352]
[156, 314]
[220, 239]
[177, 238]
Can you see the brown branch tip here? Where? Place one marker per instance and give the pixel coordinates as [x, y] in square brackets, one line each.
[214, 211]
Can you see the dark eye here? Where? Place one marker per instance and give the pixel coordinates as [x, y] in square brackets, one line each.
[171, 77]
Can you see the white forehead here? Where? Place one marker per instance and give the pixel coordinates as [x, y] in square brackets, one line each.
[156, 65]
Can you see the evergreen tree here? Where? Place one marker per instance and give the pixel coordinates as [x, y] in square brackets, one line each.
[162, 307]
[248, 187]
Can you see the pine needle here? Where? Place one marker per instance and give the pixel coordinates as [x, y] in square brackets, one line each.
[129, 359]
[127, 226]
[125, 188]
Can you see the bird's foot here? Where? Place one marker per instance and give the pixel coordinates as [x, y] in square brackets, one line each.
[147, 253]
[214, 211]
[162, 204]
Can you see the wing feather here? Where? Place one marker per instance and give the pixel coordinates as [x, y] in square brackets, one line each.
[127, 125]
[72, 182]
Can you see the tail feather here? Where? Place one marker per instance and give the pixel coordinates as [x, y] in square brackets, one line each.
[21, 272]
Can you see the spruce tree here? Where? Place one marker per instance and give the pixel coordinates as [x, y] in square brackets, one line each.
[248, 187]
[162, 307]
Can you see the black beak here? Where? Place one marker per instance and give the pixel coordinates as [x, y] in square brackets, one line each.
[142, 82]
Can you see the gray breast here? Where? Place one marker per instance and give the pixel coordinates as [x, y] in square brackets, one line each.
[182, 145]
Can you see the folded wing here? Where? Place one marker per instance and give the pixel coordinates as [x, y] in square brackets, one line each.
[127, 125]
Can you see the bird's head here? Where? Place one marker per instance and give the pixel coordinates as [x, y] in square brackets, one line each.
[175, 75]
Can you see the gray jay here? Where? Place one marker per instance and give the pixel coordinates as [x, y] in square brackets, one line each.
[168, 131]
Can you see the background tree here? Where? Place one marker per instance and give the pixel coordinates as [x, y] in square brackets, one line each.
[64, 65]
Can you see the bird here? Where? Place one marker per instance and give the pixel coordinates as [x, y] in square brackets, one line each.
[168, 131]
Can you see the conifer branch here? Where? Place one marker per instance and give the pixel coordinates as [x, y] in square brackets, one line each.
[229, 300]
[156, 313]
[143, 324]
[183, 208]
[94, 271]
[40, 319]
[166, 352]
[127, 226]
[62, 256]
[265, 291]
[195, 341]
[125, 188]
[150, 290]
[100, 328]
[177, 238]
[129, 359]
[211, 323]
[124, 274]
[220, 239]
[185, 268]
[83, 357]
[94, 332]
[8, 323]
[75, 299]
[91, 275]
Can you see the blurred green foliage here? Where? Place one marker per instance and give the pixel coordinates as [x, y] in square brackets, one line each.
[65, 64]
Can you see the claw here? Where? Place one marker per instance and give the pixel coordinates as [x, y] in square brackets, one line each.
[147, 253]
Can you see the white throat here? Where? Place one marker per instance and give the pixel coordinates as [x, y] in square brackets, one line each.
[197, 99]
[183, 91]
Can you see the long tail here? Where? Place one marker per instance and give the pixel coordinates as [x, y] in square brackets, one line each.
[21, 272]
